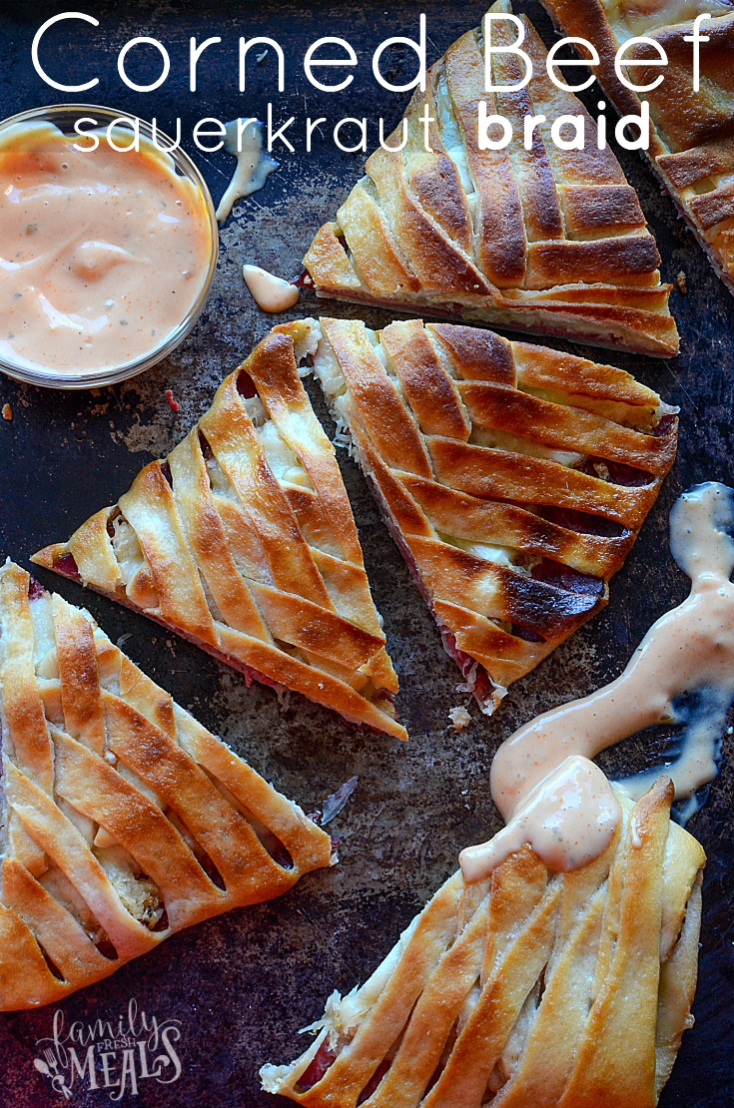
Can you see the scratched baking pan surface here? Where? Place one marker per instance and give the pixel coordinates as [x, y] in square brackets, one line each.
[236, 989]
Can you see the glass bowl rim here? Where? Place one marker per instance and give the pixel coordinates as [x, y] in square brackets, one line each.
[185, 164]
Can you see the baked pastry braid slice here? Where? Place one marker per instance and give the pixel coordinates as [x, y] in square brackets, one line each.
[243, 541]
[561, 990]
[123, 819]
[513, 477]
[544, 240]
[692, 133]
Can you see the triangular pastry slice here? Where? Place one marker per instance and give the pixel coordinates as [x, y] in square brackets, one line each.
[545, 240]
[513, 477]
[243, 541]
[123, 818]
[561, 990]
[692, 132]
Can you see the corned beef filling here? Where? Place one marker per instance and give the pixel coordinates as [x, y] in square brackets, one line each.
[620, 473]
[564, 577]
[480, 683]
[325, 1056]
[473, 673]
[582, 522]
[526, 633]
[245, 386]
[665, 424]
[585, 523]
[35, 589]
[66, 565]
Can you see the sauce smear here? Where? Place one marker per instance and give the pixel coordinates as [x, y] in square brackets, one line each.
[270, 293]
[254, 165]
[542, 779]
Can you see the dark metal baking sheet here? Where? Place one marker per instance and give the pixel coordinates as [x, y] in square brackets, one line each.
[241, 985]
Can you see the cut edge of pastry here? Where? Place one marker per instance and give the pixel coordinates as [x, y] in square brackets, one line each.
[366, 255]
[554, 319]
[487, 692]
[171, 573]
[53, 558]
[123, 819]
[486, 675]
[482, 997]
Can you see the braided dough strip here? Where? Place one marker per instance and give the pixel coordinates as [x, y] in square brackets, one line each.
[562, 990]
[544, 240]
[514, 478]
[263, 571]
[136, 823]
[691, 143]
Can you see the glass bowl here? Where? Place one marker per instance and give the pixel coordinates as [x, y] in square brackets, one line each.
[64, 116]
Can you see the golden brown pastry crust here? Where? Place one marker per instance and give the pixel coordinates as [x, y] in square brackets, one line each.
[265, 572]
[544, 240]
[494, 463]
[692, 133]
[561, 990]
[124, 819]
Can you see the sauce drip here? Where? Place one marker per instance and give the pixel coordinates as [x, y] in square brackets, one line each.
[542, 780]
[102, 252]
[254, 165]
[269, 292]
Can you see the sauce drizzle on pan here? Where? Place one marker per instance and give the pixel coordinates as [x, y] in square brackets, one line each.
[542, 779]
[254, 165]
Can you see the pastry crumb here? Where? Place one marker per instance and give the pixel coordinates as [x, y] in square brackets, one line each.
[459, 717]
[174, 403]
[682, 282]
[7, 411]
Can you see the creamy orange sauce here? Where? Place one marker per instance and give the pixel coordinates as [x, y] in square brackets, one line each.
[542, 780]
[270, 293]
[102, 253]
[568, 818]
